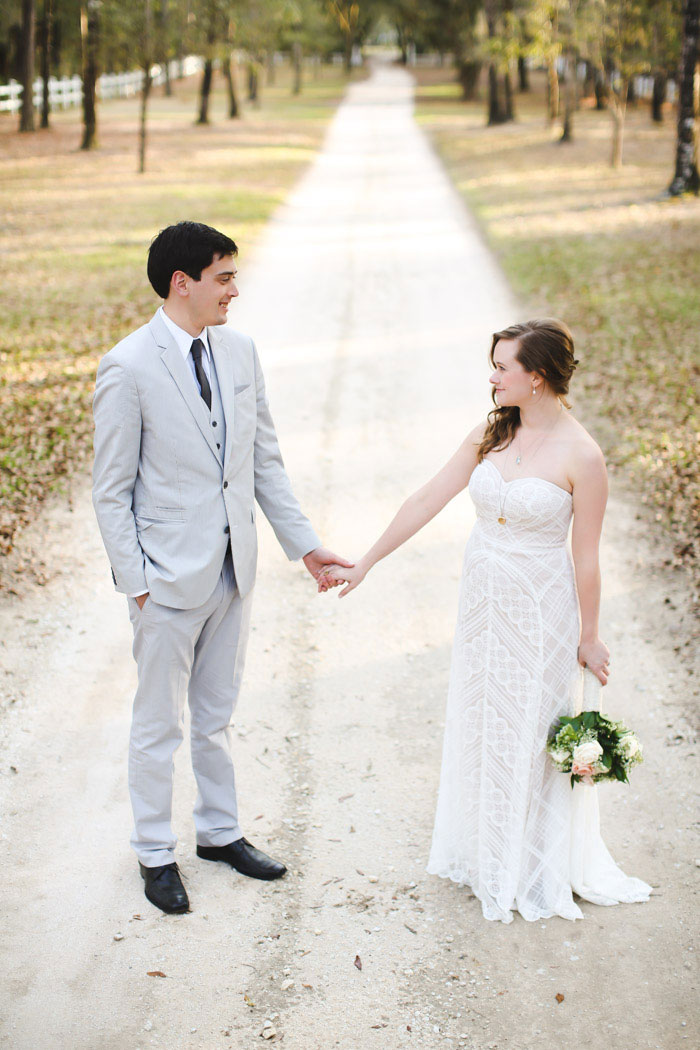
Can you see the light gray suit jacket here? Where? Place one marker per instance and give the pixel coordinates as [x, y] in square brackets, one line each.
[167, 500]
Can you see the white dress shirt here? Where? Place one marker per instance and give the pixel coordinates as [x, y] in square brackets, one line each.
[184, 341]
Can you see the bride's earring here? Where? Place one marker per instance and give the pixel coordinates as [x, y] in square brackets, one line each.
[534, 390]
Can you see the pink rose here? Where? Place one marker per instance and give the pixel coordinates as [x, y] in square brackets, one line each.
[583, 770]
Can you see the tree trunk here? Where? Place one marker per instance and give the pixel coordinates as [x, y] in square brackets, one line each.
[205, 92]
[46, 35]
[601, 91]
[402, 41]
[523, 74]
[145, 92]
[348, 52]
[297, 62]
[26, 113]
[90, 39]
[500, 101]
[631, 92]
[146, 85]
[509, 96]
[658, 96]
[208, 71]
[497, 113]
[253, 82]
[589, 81]
[165, 45]
[552, 91]
[570, 93]
[686, 178]
[619, 106]
[468, 76]
[271, 68]
[233, 110]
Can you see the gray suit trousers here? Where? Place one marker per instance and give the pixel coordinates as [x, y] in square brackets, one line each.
[198, 653]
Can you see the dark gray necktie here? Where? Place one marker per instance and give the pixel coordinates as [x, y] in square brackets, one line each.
[205, 390]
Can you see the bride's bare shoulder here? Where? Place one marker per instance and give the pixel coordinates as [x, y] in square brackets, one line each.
[476, 436]
[585, 451]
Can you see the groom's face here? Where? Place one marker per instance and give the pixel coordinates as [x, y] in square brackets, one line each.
[211, 294]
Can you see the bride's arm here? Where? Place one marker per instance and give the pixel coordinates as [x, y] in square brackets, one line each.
[418, 509]
[590, 494]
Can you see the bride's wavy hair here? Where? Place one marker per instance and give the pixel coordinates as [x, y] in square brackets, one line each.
[545, 346]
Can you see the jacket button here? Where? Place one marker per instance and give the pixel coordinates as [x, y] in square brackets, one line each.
[227, 529]
[226, 484]
[218, 445]
[213, 423]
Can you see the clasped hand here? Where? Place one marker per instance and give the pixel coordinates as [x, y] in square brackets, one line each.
[334, 575]
[330, 571]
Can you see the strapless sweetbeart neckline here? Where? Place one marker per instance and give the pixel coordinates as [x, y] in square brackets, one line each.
[532, 477]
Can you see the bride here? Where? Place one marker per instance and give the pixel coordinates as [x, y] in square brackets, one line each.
[508, 825]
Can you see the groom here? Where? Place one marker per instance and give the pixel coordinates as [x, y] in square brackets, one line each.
[184, 446]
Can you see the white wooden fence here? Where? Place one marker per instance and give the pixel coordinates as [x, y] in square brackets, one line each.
[643, 85]
[68, 91]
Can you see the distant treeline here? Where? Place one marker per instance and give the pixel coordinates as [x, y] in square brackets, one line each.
[611, 40]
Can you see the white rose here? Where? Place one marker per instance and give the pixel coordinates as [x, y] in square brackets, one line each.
[588, 753]
[560, 755]
[630, 744]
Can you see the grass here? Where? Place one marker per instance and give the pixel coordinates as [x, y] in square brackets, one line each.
[75, 230]
[600, 249]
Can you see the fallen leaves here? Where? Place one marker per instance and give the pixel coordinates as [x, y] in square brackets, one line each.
[559, 997]
[358, 962]
[155, 973]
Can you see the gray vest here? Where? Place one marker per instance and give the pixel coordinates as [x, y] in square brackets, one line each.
[217, 411]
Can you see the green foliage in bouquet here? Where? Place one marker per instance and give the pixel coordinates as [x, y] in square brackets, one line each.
[592, 747]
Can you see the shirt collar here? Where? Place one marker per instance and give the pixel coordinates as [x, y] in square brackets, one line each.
[183, 339]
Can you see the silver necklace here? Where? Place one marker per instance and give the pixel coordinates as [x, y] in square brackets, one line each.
[502, 498]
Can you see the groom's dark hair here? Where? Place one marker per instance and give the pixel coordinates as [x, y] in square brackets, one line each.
[186, 246]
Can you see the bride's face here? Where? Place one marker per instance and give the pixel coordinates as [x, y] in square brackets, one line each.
[512, 383]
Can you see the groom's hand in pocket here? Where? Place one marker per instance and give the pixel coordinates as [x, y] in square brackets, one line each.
[141, 599]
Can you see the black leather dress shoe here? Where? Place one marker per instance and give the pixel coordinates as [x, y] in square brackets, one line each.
[245, 858]
[164, 888]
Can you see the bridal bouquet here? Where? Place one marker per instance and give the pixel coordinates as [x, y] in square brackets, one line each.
[592, 747]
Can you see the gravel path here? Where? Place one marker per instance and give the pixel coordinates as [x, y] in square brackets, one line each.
[371, 298]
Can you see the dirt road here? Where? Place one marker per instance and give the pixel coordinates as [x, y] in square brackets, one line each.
[371, 299]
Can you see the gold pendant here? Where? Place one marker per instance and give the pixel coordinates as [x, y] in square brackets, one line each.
[501, 521]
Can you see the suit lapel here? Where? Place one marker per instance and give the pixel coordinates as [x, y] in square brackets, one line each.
[224, 375]
[177, 366]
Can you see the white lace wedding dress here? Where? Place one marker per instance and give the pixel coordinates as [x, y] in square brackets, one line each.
[508, 824]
